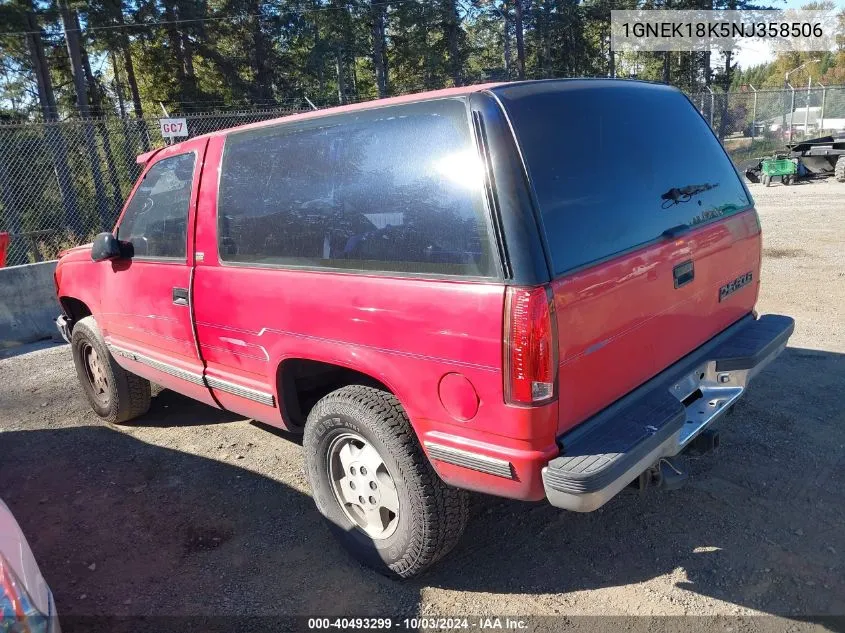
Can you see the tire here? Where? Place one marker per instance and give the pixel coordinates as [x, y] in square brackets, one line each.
[839, 169]
[114, 394]
[431, 515]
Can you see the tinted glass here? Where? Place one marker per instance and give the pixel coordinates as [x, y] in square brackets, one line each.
[393, 189]
[616, 164]
[156, 218]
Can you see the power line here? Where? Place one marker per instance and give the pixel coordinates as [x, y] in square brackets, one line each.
[131, 25]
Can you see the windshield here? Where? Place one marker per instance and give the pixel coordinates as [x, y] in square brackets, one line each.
[616, 164]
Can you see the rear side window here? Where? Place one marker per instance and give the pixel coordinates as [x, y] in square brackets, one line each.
[156, 217]
[391, 189]
[614, 165]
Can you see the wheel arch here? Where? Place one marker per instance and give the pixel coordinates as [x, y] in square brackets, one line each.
[75, 309]
[301, 381]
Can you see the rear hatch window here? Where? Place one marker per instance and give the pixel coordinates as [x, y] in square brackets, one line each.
[616, 164]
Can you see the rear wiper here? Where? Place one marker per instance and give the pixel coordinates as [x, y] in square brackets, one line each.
[677, 195]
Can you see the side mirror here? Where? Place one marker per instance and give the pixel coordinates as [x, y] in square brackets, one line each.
[106, 246]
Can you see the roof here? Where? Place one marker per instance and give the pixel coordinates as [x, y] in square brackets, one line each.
[353, 107]
[537, 84]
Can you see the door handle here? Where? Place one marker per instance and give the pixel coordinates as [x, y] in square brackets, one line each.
[180, 296]
[683, 273]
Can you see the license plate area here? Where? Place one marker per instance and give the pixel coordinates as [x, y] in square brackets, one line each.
[706, 394]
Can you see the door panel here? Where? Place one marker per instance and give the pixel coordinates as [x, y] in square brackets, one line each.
[145, 306]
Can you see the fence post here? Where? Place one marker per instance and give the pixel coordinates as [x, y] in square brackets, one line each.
[791, 111]
[753, 114]
[807, 109]
[821, 113]
[712, 105]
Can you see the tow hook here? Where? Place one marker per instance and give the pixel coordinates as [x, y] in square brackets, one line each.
[670, 473]
[705, 442]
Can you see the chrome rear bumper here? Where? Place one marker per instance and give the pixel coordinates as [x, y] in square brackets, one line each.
[604, 454]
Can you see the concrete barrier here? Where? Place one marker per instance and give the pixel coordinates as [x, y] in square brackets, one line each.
[28, 306]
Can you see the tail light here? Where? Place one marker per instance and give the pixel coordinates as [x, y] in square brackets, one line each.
[530, 346]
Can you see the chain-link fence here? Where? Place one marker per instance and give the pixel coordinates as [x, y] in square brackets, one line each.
[62, 183]
[771, 118]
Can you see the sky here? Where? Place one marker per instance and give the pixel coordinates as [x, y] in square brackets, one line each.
[757, 52]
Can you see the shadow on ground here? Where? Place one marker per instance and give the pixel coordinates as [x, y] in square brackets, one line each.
[120, 526]
[16, 350]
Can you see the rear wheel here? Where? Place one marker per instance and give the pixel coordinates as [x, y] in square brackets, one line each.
[839, 169]
[372, 482]
[114, 394]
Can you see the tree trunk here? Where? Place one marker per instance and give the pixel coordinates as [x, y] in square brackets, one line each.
[506, 37]
[520, 38]
[544, 53]
[74, 49]
[111, 165]
[379, 51]
[667, 67]
[261, 59]
[52, 135]
[118, 86]
[188, 53]
[611, 55]
[174, 42]
[126, 51]
[46, 96]
[726, 85]
[341, 80]
[452, 34]
[321, 78]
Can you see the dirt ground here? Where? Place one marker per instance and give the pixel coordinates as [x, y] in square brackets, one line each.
[196, 511]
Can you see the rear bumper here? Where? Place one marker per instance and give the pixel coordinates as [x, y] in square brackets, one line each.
[604, 454]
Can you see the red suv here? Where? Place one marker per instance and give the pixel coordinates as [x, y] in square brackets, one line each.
[535, 290]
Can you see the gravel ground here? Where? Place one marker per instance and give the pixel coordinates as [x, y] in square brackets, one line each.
[196, 511]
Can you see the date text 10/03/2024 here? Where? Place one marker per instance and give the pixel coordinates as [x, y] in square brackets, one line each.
[421, 623]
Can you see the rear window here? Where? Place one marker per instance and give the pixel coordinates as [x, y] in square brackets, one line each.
[396, 189]
[616, 164]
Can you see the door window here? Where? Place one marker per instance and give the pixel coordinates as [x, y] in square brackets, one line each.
[396, 189]
[156, 219]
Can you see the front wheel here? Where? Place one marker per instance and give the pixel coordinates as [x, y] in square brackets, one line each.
[114, 394]
[372, 482]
